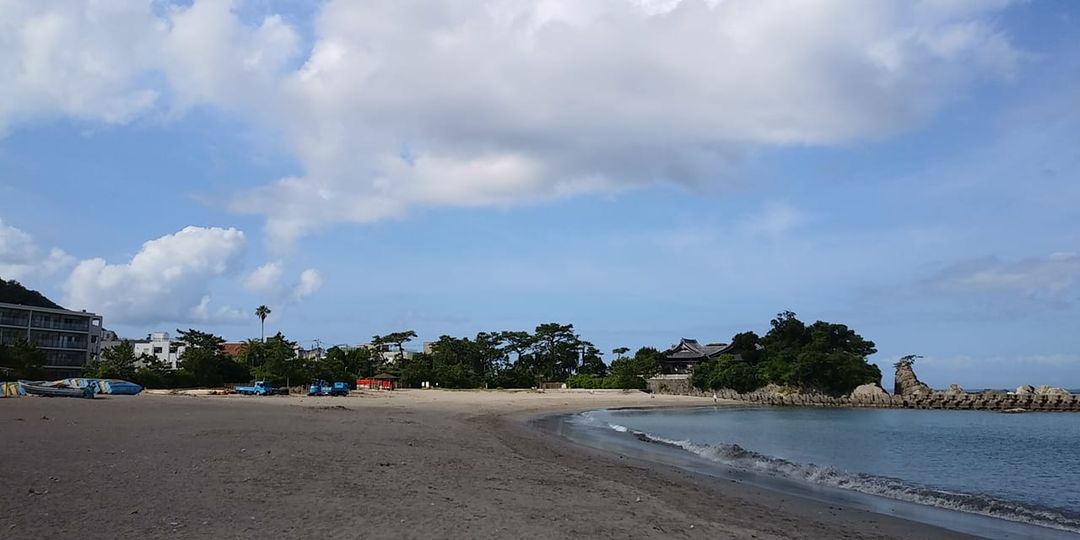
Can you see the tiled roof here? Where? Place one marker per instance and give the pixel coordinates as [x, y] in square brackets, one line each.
[234, 349]
[690, 349]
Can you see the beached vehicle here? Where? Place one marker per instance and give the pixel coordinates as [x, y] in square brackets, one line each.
[323, 388]
[260, 388]
[57, 389]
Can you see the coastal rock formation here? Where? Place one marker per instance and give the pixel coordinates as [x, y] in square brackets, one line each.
[907, 384]
[869, 392]
[954, 390]
[1025, 390]
[1044, 390]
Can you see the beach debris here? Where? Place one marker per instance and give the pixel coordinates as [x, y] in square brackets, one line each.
[33, 491]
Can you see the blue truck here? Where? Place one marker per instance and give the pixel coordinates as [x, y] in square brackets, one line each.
[260, 388]
[323, 388]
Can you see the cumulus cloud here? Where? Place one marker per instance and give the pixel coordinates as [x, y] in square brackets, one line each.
[310, 282]
[264, 278]
[168, 280]
[1052, 280]
[406, 103]
[20, 256]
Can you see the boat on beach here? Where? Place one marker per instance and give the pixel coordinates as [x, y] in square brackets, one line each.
[46, 389]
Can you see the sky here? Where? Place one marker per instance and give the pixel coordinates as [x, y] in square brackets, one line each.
[646, 170]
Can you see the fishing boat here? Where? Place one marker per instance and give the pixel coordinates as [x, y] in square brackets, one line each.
[57, 390]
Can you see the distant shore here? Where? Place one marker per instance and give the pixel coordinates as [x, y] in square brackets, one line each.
[412, 464]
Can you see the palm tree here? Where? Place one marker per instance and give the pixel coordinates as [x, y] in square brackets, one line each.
[262, 312]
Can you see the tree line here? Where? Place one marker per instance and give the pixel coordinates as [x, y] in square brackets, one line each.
[506, 359]
[820, 357]
[553, 352]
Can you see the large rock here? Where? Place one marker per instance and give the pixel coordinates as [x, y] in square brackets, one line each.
[954, 390]
[869, 392]
[907, 384]
[1044, 390]
[1025, 390]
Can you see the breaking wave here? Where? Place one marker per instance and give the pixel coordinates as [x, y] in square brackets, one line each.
[739, 458]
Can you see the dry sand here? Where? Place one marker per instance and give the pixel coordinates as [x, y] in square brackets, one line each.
[403, 464]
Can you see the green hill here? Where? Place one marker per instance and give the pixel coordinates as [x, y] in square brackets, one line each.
[12, 292]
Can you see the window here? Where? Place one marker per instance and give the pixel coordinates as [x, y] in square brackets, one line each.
[157, 350]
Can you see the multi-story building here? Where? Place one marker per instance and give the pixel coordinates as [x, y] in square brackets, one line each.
[69, 339]
[158, 345]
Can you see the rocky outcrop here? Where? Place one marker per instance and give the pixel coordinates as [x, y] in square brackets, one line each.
[1044, 390]
[907, 384]
[1025, 390]
[869, 392]
[954, 390]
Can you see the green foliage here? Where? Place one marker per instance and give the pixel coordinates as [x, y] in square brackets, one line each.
[275, 362]
[195, 339]
[203, 363]
[554, 353]
[907, 360]
[342, 365]
[591, 362]
[262, 312]
[22, 360]
[117, 362]
[398, 339]
[823, 357]
[631, 372]
[153, 373]
[726, 371]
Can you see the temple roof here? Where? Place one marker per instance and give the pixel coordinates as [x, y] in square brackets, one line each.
[690, 349]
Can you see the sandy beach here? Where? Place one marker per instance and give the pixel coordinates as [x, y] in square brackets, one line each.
[403, 464]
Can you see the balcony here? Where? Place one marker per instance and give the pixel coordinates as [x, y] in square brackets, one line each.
[14, 319]
[56, 323]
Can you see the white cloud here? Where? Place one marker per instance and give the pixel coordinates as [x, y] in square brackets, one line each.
[310, 282]
[409, 103]
[168, 280]
[20, 256]
[264, 278]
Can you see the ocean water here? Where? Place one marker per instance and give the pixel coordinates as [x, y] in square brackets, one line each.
[1018, 467]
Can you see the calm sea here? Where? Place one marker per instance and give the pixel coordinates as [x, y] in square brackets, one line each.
[1019, 467]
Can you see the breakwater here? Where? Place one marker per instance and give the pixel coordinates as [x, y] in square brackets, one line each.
[981, 401]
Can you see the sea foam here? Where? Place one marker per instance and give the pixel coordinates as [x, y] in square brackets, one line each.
[739, 458]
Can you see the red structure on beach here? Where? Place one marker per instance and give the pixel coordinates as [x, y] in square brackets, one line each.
[382, 381]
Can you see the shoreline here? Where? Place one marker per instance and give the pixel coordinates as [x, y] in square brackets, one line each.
[413, 464]
[661, 453]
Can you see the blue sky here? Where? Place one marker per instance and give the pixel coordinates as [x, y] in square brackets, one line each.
[647, 170]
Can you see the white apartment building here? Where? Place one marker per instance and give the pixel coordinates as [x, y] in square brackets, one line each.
[159, 345]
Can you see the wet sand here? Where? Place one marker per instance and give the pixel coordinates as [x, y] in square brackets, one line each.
[403, 464]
